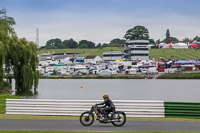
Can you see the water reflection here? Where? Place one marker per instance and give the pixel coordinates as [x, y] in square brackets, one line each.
[23, 93]
[33, 93]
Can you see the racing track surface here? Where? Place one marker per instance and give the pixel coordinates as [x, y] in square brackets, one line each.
[74, 125]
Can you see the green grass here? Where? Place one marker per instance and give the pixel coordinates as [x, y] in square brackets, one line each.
[82, 52]
[4, 116]
[3, 102]
[180, 76]
[96, 77]
[174, 53]
[153, 53]
[6, 131]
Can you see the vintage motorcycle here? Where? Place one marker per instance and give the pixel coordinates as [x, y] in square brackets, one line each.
[117, 118]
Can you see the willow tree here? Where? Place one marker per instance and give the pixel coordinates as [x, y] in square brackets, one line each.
[18, 55]
[2, 60]
[24, 60]
[6, 32]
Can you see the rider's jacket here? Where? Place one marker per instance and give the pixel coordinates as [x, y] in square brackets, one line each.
[107, 103]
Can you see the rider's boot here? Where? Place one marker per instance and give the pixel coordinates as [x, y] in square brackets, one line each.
[105, 118]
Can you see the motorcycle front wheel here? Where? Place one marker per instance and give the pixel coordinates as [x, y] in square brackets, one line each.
[118, 118]
[86, 118]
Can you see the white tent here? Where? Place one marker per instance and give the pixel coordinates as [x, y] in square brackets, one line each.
[66, 61]
[179, 45]
[163, 45]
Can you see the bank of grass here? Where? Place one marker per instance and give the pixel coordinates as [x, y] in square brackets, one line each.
[3, 98]
[180, 76]
[139, 76]
[82, 52]
[174, 53]
[153, 53]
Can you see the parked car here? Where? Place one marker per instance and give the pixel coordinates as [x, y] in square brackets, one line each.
[105, 72]
[132, 71]
[152, 70]
[171, 70]
[143, 70]
[83, 72]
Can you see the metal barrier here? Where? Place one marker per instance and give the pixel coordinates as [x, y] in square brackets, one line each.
[132, 108]
[182, 109]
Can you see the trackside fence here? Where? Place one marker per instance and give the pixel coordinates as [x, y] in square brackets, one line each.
[182, 109]
[132, 108]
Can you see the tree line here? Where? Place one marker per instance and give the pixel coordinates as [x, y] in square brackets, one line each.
[71, 43]
[135, 33]
[18, 56]
[169, 39]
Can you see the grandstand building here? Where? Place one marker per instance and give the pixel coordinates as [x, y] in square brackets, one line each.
[134, 50]
[112, 56]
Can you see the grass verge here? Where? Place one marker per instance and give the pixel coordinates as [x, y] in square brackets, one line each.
[180, 76]
[95, 77]
[5, 131]
[4, 116]
[3, 98]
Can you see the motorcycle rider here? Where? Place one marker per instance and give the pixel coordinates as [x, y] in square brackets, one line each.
[108, 106]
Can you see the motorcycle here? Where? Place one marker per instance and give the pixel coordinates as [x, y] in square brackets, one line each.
[117, 118]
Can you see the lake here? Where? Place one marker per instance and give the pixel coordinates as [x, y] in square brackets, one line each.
[120, 89]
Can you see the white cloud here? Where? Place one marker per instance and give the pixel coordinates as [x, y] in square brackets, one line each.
[101, 27]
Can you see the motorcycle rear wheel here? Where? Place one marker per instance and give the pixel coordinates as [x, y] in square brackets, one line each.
[118, 118]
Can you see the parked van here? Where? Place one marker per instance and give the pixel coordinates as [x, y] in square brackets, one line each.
[174, 69]
[161, 66]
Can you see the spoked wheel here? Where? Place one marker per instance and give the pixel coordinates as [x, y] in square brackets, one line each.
[86, 118]
[119, 119]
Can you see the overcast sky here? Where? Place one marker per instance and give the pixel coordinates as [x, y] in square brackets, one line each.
[101, 21]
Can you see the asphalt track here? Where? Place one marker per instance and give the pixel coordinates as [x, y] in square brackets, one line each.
[74, 125]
